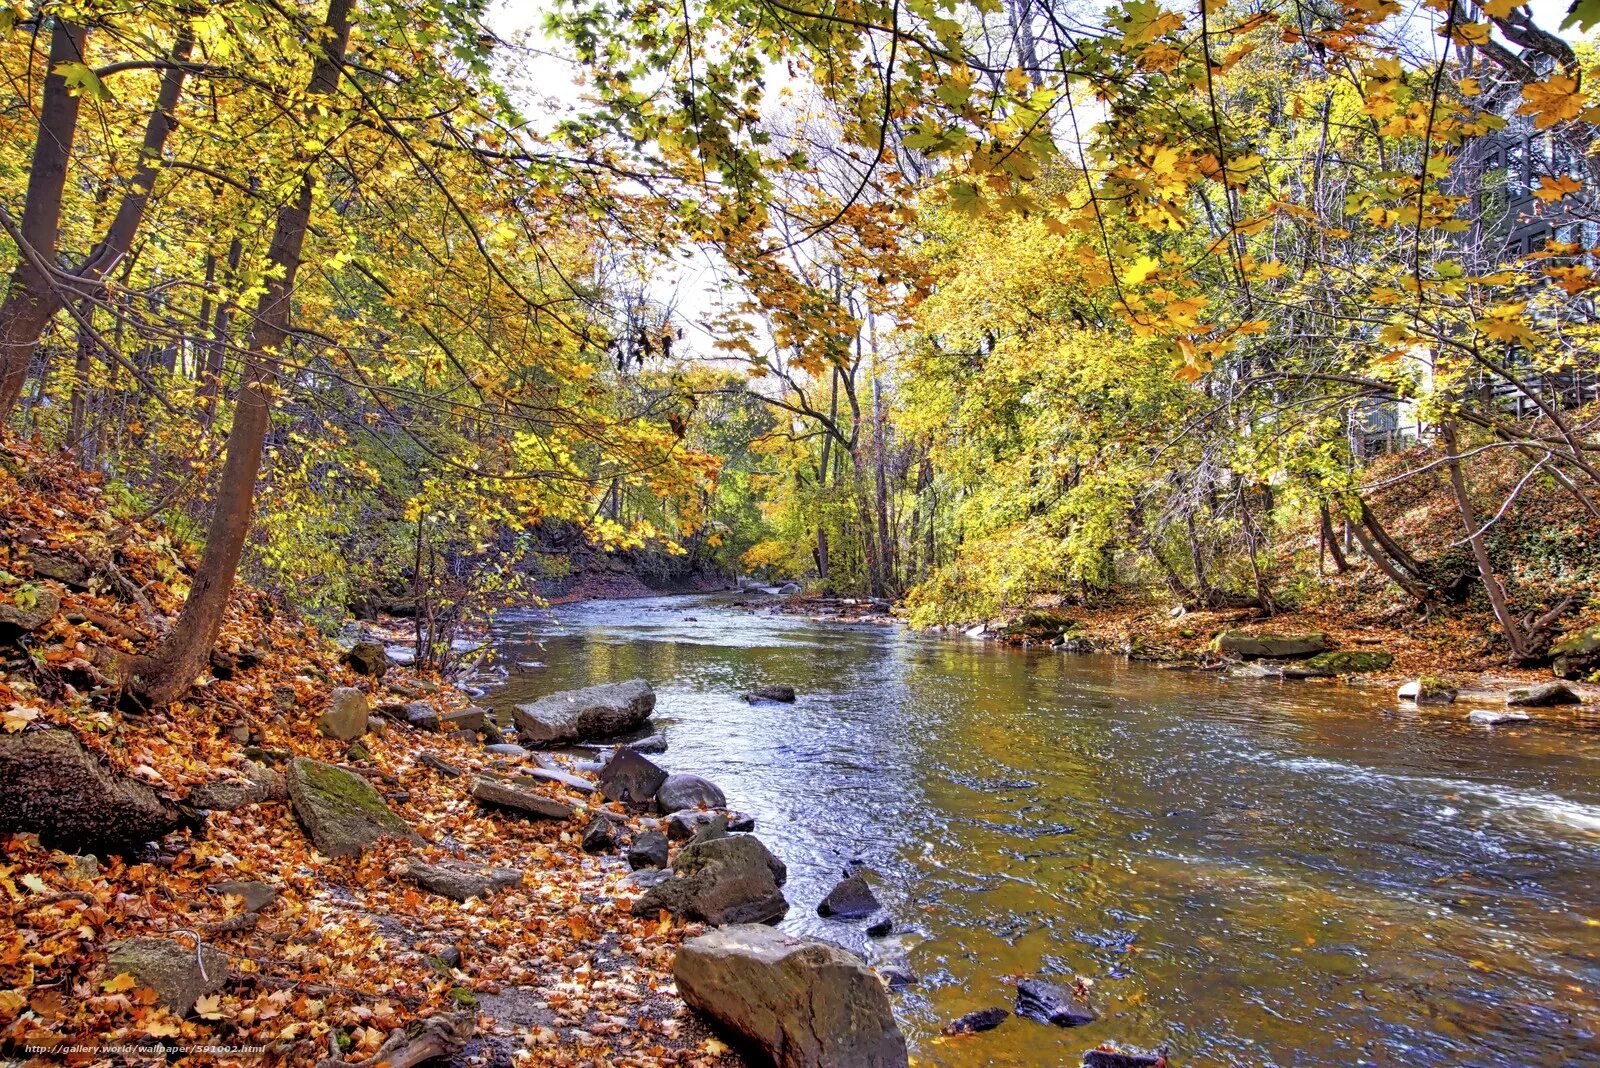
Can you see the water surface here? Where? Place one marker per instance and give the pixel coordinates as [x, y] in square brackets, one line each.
[1250, 873]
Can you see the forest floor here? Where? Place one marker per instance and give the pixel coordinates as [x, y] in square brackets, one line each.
[350, 952]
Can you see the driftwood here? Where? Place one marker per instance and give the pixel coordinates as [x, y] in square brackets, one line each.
[437, 1036]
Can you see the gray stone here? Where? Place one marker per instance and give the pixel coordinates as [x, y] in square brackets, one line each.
[680, 791]
[459, 881]
[346, 717]
[50, 785]
[368, 657]
[732, 879]
[593, 712]
[564, 778]
[850, 899]
[1124, 1057]
[630, 778]
[804, 1002]
[64, 569]
[1545, 695]
[648, 850]
[881, 926]
[782, 694]
[504, 795]
[471, 718]
[443, 767]
[422, 716]
[28, 611]
[1052, 1003]
[340, 810]
[656, 743]
[686, 823]
[176, 972]
[506, 749]
[1490, 717]
[257, 895]
[225, 795]
[973, 1022]
[1269, 646]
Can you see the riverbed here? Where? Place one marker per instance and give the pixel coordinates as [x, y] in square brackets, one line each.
[1248, 873]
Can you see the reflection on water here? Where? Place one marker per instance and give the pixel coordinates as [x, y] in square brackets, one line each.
[1250, 873]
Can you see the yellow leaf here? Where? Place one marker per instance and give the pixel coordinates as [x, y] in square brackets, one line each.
[209, 1007]
[119, 983]
[1552, 189]
[1551, 101]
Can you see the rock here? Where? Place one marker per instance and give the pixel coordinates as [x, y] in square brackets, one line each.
[257, 895]
[1544, 695]
[258, 784]
[459, 881]
[507, 749]
[850, 899]
[680, 791]
[266, 756]
[27, 611]
[490, 733]
[1350, 662]
[346, 717]
[788, 589]
[594, 712]
[684, 824]
[656, 743]
[443, 767]
[173, 970]
[973, 1022]
[358, 753]
[1492, 716]
[564, 778]
[648, 850]
[1052, 1003]
[368, 657]
[881, 926]
[471, 718]
[733, 879]
[631, 778]
[1577, 656]
[422, 716]
[784, 694]
[503, 795]
[1123, 1058]
[600, 836]
[1268, 646]
[645, 878]
[340, 810]
[1254, 671]
[64, 569]
[1428, 690]
[50, 785]
[806, 1003]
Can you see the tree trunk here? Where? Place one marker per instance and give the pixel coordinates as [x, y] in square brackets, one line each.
[1521, 649]
[182, 653]
[31, 297]
[218, 349]
[1331, 541]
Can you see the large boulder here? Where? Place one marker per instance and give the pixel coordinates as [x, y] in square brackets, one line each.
[340, 810]
[50, 785]
[1545, 695]
[806, 1003]
[680, 791]
[346, 715]
[1269, 646]
[27, 611]
[720, 881]
[630, 778]
[1577, 656]
[593, 712]
[176, 972]
[1350, 661]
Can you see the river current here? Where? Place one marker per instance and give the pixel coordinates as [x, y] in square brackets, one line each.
[1247, 872]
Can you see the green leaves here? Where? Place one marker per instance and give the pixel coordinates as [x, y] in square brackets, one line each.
[84, 82]
[1583, 14]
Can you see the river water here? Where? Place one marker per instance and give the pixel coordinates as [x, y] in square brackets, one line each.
[1249, 873]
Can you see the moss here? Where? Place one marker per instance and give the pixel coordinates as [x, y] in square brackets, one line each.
[346, 792]
[1351, 662]
[463, 997]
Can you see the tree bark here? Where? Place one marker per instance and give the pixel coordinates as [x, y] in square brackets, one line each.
[31, 297]
[1521, 649]
[167, 673]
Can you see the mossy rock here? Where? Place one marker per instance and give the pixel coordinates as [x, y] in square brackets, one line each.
[340, 810]
[1577, 656]
[1269, 646]
[1038, 625]
[1350, 662]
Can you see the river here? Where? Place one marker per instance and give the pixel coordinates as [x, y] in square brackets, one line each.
[1250, 873]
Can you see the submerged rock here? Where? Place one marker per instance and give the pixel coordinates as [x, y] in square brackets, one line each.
[656, 743]
[973, 1022]
[50, 785]
[1545, 695]
[686, 823]
[1492, 716]
[340, 810]
[781, 694]
[179, 974]
[1428, 690]
[679, 791]
[850, 899]
[1350, 662]
[1052, 1003]
[726, 880]
[804, 1002]
[1113, 1057]
[593, 712]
